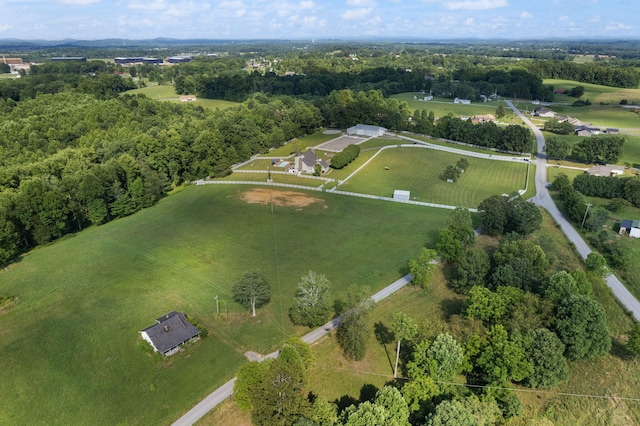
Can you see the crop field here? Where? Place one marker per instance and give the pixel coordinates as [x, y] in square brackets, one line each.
[340, 380]
[444, 106]
[71, 347]
[418, 170]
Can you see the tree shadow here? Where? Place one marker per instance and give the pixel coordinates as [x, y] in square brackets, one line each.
[620, 350]
[368, 392]
[344, 401]
[384, 336]
[452, 307]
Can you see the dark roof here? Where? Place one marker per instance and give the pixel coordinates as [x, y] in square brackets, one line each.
[172, 330]
[626, 224]
[309, 158]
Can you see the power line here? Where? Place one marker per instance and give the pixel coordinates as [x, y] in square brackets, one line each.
[467, 385]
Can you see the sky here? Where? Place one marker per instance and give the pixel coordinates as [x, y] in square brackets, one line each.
[319, 19]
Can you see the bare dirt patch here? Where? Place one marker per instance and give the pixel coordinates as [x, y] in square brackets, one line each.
[280, 198]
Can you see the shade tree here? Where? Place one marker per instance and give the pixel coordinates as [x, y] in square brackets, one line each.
[581, 325]
[311, 306]
[252, 291]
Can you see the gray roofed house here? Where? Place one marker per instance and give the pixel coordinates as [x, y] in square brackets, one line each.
[544, 112]
[170, 331]
[306, 162]
[606, 170]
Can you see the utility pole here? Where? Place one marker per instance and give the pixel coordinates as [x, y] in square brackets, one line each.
[217, 306]
[585, 213]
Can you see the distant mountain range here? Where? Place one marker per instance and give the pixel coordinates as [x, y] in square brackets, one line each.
[115, 42]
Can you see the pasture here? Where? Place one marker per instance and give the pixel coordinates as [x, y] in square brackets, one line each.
[630, 155]
[340, 380]
[71, 347]
[418, 170]
[596, 93]
[168, 93]
[308, 141]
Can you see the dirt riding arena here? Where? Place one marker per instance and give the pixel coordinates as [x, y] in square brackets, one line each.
[340, 143]
[280, 198]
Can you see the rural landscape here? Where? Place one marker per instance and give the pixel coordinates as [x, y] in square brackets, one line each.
[322, 233]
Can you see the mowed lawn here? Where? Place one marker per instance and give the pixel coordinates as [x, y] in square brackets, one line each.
[168, 93]
[418, 170]
[71, 347]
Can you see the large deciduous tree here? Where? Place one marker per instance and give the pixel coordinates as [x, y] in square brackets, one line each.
[353, 333]
[581, 325]
[311, 306]
[421, 268]
[252, 291]
[404, 328]
[472, 268]
[545, 352]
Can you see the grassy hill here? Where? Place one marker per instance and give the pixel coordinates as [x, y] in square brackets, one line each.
[168, 93]
[71, 348]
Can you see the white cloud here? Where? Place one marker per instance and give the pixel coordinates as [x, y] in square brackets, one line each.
[185, 8]
[526, 15]
[468, 21]
[617, 26]
[356, 13]
[475, 4]
[147, 5]
[361, 3]
[313, 22]
[79, 2]
[288, 9]
[595, 18]
[5, 27]
[234, 8]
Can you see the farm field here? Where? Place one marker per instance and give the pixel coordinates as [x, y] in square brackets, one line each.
[418, 170]
[444, 106]
[71, 348]
[168, 93]
[343, 381]
[594, 92]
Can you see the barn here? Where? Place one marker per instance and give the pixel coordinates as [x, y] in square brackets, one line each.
[366, 130]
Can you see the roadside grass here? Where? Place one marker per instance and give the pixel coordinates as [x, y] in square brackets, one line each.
[445, 106]
[71, 347]
[630, 277]
[343, 381]
[418, 170]
[553, 171]
[602, 116]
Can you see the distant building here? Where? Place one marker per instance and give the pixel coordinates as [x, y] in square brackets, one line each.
[170, 332]
[366, 130]
[128, 61]
[188, 98]
[585, 130]
[69, 58]
[544, 112]
[462, 101]
[485, 118]
[152, 61]
[606, 170]
[612, 131]
[428, 98]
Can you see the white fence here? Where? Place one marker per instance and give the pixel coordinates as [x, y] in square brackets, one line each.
[246, 182]
[416, 203]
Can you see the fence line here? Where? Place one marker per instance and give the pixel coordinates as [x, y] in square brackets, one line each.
[247, 182]
[416, 203]
[468, 144]
[276, 172]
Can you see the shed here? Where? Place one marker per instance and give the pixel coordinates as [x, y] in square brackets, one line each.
[401, 195]
[170, 332]
[630, 228]
[366, 130]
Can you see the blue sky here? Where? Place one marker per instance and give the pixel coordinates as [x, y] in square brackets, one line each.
[318, 19]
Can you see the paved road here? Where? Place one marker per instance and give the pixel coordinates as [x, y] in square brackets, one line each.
[225, 391]
[543, 199]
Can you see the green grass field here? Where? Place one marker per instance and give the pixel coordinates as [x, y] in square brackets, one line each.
[168, 93]
[71, 347]
[418, 170]
[444, 106]
[630, 150]
[307, 141]
[336, 378]
[594, 92]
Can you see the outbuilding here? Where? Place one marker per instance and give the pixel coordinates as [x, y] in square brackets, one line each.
[366, 130]
[170, 332]
[401, 195]
[630, 228]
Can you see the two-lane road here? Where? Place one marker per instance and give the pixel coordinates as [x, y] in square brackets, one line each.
[543, 199]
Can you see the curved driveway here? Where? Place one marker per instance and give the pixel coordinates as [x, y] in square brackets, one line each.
[543, 199]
